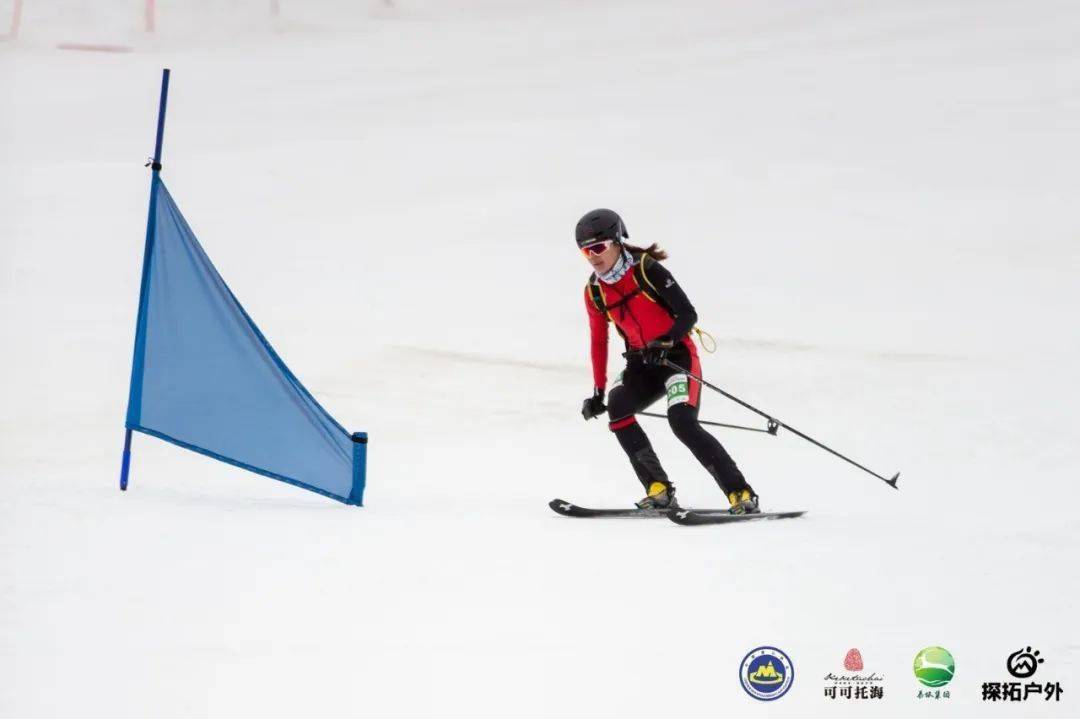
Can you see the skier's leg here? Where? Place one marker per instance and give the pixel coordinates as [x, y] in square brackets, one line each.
[627, 396]
[683, 400]
[706, 448]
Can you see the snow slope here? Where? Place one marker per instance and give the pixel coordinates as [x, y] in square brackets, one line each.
[870, 203]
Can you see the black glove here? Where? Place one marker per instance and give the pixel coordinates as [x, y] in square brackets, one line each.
[593, 406]
[655, 353]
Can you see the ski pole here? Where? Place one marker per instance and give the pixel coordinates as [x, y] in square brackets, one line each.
[770, 429]
[771, 419]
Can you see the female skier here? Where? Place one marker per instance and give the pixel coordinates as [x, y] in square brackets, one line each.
[631, 289]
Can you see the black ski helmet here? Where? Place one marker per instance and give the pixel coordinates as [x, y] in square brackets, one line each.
[600, 225]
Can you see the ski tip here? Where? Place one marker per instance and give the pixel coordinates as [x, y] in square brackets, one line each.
[560, 506]
[892, 482]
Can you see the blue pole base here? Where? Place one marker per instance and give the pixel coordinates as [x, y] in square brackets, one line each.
[125, 463]
[356, 496]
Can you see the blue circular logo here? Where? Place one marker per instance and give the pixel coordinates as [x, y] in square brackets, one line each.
[766, 673]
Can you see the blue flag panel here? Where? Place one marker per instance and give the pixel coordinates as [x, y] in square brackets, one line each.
[205, 378]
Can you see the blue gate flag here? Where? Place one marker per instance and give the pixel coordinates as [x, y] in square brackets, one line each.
[205, 378]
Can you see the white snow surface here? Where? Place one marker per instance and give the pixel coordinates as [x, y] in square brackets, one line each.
[871, 204]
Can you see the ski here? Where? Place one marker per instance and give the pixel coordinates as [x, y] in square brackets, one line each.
[569, 509]
[691, 517]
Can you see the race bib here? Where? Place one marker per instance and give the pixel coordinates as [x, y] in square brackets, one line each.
[678, 389]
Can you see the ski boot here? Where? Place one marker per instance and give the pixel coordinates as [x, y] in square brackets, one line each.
[660, 496]
[743, 501]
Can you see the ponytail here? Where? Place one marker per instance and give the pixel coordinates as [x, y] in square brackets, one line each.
[652, 250]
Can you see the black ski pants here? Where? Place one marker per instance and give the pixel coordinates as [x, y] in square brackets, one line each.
[639, 386]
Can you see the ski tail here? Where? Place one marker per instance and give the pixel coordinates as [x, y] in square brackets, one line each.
[691, 518]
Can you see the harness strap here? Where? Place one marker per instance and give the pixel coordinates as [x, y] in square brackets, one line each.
[647, 286]
[625, 298]
[597, 296]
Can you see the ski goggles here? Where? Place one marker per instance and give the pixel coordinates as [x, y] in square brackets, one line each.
[597, 248]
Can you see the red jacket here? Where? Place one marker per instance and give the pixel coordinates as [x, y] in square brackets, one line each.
[646, 304]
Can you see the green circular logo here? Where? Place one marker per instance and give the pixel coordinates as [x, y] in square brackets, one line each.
[934, 666]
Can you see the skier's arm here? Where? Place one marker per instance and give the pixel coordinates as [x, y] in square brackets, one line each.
[664, 285]
[598, 347]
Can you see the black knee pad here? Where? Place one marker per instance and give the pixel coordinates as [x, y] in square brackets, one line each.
[683, 420]
[620, 404]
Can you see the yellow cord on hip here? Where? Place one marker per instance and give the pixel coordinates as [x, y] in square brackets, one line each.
[709, 346]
